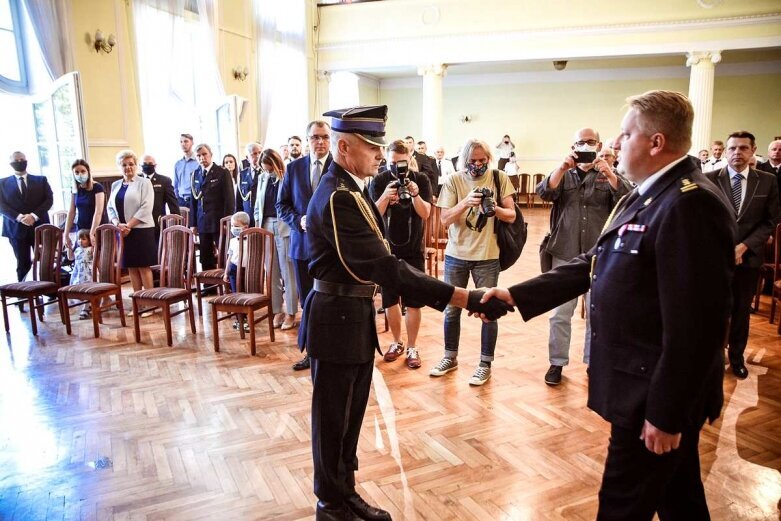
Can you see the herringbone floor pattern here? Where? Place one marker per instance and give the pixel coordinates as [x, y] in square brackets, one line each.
[109, 429]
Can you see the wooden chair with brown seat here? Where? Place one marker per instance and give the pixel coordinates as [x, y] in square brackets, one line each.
[253, 285]
[106, 277]
[47, 261]
[765, 271]
[537, 179]
[176, 272]
[524, 189]
[165, 222]
[776, 295]
[214, 279]
[430, 245]
[185, 213]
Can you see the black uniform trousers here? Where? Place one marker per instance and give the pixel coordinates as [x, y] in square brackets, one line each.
[23, 250]
[744, 286]
[339, 397]
[304, 280]
[638, 483]
[208, 260]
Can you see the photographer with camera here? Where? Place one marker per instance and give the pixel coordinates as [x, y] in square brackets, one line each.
[403, 197]
[584, 189]
[469, 211]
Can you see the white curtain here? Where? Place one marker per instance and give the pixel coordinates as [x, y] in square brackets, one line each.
[49, 19]
[178, 75]
[280, 26]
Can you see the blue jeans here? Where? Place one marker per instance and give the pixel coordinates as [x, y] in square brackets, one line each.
[232, 276]
[484, 274]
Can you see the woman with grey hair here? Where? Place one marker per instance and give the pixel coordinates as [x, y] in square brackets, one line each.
[130, 208]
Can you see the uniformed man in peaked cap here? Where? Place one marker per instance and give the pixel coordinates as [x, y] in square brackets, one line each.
[349, 260]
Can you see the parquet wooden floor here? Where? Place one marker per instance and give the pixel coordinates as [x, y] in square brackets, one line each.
[109, 429]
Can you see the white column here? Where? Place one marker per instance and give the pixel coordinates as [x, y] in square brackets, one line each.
[322, 93]
[703, 65]
[432, 102]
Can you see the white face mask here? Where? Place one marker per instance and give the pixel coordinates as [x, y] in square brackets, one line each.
[585, 148]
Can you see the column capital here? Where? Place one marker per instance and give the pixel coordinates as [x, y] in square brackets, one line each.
[438, 69]
[323, 76]
[695, 57]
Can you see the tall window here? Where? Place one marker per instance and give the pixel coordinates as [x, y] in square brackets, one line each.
[343, 90]
[13, 69]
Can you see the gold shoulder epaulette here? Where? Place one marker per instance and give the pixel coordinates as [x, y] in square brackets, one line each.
[687, 185]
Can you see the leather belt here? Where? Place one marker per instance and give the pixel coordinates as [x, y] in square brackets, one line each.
[345, 290]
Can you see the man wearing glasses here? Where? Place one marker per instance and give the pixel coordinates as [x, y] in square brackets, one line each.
[583, 189]
[298, 185]
[472, 247]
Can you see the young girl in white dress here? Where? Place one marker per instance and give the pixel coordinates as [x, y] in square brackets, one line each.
[82, 265]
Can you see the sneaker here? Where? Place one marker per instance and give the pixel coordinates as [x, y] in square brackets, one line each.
[236, 325]
[480, 376]
[553, 376]
[84, 314]
[394, 351]
[444, 366]
[413, 358]
[145, 314]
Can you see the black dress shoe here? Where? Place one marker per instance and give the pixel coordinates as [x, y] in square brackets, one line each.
[553, 376]
[740, 370]
[364, 510]
[302, 364]
[333, 512]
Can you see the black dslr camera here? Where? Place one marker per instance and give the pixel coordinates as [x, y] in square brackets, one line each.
[401, 172]
[488, 205]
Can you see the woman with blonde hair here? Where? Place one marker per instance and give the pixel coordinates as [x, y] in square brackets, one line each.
[266, 217]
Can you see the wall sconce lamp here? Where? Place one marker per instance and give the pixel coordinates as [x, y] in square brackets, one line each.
[560, 65]
[240, 73]
[466, 118]
[104, 44]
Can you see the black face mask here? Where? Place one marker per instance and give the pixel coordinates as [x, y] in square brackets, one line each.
[19, 166]
[148, 169]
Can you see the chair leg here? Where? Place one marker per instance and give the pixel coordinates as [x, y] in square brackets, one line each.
[31, 303]
[271, 324]
[251, 320]
[241, 318]
[772, 306]
[96, 316]
[39, 302]
[191, 313]
[215, 330]
[120, 306]
[167, 323]
[5, 313]
[66, 315]
[136, 325]
[199, 297]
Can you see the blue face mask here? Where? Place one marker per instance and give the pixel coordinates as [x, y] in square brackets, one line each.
[236, 231]
[476, 171]
[81, 179]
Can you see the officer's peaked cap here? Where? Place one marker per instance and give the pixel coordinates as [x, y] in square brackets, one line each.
[368, 123]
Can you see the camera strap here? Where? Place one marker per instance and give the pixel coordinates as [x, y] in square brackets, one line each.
[409, 227]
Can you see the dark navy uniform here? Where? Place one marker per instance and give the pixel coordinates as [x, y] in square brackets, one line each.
[660, 279]
[211, 200]
[246, 192]
[164, 195]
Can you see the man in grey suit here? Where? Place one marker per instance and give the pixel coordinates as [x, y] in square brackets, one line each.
[754, 196]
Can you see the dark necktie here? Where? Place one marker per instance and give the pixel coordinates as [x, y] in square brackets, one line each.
[737, 191]
[439, 167]
[23, 187]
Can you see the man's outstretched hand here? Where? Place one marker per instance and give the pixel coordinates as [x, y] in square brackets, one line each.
[487, 307]
[500, 294]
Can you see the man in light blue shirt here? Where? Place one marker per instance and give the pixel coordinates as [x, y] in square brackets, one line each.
[183, 170]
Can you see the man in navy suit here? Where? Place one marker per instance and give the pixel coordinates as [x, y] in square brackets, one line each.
[297, 188]
[247, 189]
[25, 201]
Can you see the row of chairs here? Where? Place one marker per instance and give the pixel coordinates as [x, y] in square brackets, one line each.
[525, 185]
[177, 261]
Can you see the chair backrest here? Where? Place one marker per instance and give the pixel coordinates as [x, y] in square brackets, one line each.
[537, 180]
[166, 221]
[256, 253]
[58, 218]
[223, 241]
[777, 253]
[178, 258]
[525, 181]
[185, 213]
[107, 251]
[47, 256]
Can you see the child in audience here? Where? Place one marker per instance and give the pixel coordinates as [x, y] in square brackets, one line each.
[82, 265]
[239, 223]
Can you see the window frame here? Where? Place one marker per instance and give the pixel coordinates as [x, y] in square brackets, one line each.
[22, 85]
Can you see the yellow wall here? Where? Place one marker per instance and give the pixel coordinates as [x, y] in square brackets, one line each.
[542, 117]
[111, 102]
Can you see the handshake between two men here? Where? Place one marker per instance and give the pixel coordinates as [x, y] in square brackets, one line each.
[490, 303]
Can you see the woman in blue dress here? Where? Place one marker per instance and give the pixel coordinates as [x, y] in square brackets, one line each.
[88, 204]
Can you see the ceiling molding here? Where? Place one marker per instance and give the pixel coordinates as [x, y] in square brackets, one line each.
[569, 76]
